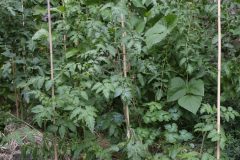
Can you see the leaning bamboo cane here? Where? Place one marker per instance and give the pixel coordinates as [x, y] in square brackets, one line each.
[126, 109]
[51, 66]
[219, 80]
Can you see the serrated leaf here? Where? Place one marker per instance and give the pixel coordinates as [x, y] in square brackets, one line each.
[40, 82]
[37, 109]
[111, 50]
[75, 112]
[141, 79]
[212, 133]
[190, 103]
[106, 93]
[159, 94]
[84, 95]
[96, 86]
[171, 137]
[215, 138]
[171, 127]
[8, 54]
[48, 85]
[62, 131]
[185, 135]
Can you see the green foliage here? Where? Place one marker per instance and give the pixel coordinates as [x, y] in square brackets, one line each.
[171, 61]
[188, 94]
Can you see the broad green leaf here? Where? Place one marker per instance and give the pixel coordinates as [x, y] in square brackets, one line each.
[126, 95]
[185, 135]
[171, 20]
[88, 116]
[208, 127]
[40, 81]
[156, 34]
[212, 133]
[84, 95]
[62, 131]
[106, 93]
[140, 27]
[207, 156]
[141, 79]
[136, 150]
[159, 94]
[96, 86]
[137, 3]
[52, 128]
[171, 127]
[236, 32]
[72, 53]
[48, 85]
[42, 33]
[223, 139]
[111, 50]
[39, 10]
[190, 103]
[8, 54]
[118, 92]
[37, 109]
[215, 39]
[177, 89]
[72, 127]
[171, 137]
[75, 112]
[196, 87]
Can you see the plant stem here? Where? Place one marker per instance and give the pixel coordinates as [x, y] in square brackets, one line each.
[203, 139]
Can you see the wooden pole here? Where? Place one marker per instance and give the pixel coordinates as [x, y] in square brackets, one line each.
[125, 108]
[50, 46]
[23, 16]
[219, 80]
[51, 66]
[23, 53]
[64, 36]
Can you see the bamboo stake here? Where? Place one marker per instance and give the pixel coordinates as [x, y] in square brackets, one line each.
[51, 67]
[23, 25]
[50, 45]
[219, 80]
[64, 36]
[126, 108]
[23, 16]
